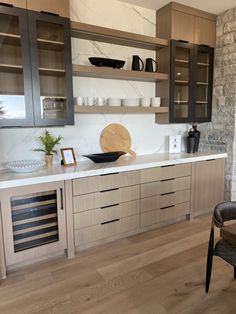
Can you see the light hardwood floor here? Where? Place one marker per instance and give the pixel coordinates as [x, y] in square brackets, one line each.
[157, 272]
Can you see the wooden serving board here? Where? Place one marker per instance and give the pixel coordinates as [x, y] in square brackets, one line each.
[115, 137]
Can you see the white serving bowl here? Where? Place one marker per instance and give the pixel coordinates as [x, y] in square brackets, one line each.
[25, 165]
[130, 102]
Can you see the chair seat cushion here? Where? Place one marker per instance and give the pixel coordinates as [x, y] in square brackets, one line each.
[226, 250]
[228, 233]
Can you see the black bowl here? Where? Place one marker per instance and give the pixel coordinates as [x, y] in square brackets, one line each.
[105, 62]
[105, 157]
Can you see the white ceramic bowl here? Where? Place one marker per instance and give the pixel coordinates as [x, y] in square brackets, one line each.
[130, 102]
[114, 102]
[25, 165]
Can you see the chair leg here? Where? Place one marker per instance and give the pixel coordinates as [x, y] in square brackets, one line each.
[209, 260]
[234, 271]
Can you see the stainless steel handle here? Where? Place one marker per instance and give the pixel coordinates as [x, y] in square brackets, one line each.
[62, 199]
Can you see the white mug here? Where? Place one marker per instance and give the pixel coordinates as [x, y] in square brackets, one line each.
[155, 101]
[145, 101]
[101, 101]
[89, 101]
[79, 101]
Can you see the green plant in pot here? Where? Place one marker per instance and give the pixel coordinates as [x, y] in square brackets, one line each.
[48, 142]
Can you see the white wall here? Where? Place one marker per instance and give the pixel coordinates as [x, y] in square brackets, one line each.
[147, 136]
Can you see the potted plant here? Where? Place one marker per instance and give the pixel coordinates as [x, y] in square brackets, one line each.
[48, 142]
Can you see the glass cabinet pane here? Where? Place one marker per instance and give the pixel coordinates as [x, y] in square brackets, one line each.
[181, 83]
[52, 70]
[202, 94]
[12, 98]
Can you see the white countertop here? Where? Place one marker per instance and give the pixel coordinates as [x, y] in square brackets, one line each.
[88, 168]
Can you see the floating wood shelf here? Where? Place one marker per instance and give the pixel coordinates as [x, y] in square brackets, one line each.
[109, 109]
[113, 36]
[105, 72]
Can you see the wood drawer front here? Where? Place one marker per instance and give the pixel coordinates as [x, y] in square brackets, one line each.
[160, 201]
[167, 186]
[98, 215]
[159, 215]
[104, 231]
[107, 198]
[105, 182]
[166, 172]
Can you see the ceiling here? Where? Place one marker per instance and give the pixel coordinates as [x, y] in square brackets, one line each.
[212, 6]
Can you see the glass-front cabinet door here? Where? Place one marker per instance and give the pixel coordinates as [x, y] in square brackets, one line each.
[203, 83]
[50, 51]
[181, 82]
[16, 103]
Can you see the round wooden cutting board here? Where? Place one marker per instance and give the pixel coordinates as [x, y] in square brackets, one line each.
[115, 137]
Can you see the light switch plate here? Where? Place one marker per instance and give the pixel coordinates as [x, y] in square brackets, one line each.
[174, 143]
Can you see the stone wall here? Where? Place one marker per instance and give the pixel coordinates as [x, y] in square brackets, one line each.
[220, 134]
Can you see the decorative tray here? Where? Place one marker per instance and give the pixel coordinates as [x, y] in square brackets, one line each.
[105, 62]
[25, 165]
[105, 157]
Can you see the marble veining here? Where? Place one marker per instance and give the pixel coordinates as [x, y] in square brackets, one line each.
[88, 168]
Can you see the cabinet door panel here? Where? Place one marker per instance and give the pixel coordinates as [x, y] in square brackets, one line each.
[208, 185]
[182, 26]
[205, 32]
[61, 7]
[15, 76]
[33, 221]
[51, 69]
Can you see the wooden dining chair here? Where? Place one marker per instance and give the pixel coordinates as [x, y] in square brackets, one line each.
[225, 247]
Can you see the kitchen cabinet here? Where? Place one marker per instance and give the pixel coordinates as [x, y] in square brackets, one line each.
[33, 221]
[189, 90]
[36, 75]
[61, 8]
[165, 194]
[105, 206]
[14, 3]
[180, 22]
[208, 179]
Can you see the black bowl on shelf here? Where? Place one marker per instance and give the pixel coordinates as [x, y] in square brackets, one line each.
[105, 62]
[105, 157]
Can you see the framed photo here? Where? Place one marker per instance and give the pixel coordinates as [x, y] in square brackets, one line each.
[68, 156]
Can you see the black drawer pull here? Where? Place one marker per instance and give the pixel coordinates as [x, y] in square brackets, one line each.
[168, 166]
[167, 207]
[170, 179]
[210, 159]
[109, 206]
[108, 174]
[109, 222]
[183, 41]
[109, 190]
[7, 4]
[45, 12]
[168, 193]
[62, 200]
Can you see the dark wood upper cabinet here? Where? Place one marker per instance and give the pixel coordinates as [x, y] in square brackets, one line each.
[50, 50]
[188, 93]
[16, 102]
[35, 69]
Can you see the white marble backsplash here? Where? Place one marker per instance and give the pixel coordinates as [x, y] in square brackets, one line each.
[147, 136]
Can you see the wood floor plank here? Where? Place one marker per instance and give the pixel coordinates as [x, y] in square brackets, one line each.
[157, 272]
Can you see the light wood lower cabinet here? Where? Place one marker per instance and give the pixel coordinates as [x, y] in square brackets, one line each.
[208, 180]
[33, 221]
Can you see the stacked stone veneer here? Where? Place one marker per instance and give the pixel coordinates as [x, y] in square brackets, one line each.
[220, 134]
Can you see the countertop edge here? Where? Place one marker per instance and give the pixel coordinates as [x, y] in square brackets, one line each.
[63, 174]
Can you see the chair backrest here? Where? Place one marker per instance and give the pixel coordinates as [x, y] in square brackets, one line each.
[224, 212]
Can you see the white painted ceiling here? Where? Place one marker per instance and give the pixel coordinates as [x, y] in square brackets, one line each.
[212, 6]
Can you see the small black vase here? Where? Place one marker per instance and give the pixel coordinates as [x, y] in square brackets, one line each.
[190, 144]
[197, 135]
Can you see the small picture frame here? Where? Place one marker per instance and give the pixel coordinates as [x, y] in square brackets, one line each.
[68, 156]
